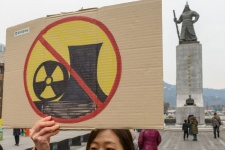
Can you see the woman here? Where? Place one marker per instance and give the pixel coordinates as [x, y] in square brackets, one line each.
[104, 139]
[149, 139]
[115, 139]
[194, 127]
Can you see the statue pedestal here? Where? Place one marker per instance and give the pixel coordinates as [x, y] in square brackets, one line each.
[182, 113]
[189, 74]
[189, 82]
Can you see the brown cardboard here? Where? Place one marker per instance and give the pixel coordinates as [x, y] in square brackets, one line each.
[129, 68]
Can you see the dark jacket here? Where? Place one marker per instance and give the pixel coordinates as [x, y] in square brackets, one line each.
[185, 126]
[216, 121]
[16, 131]
[149, 139]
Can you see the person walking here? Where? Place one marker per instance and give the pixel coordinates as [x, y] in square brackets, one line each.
[216, 122]
[16, 133]
[193, 127]
[185, 128]
[149, 139]
[134, 136]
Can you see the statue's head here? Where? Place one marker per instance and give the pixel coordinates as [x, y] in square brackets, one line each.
[186, 4]
[186, 8]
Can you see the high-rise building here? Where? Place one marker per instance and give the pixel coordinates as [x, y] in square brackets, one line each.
[2, 48]
[2, 60]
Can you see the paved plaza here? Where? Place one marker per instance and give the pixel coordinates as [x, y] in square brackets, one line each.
[172, 139]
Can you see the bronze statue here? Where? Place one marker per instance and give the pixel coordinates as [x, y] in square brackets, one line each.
[187, 30]
[189, 101]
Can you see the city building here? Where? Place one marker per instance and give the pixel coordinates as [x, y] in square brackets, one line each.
[2, 60]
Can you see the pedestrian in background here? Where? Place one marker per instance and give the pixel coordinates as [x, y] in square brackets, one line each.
[16, 133]
[149, 139]
[139, 130]
[134, 134]
[189, 118]
[194, 127]
[216, 122]
[22, 132]
[185, 128]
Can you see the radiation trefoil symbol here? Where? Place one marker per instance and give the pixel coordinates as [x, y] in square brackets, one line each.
[72, 70]
[50, 87]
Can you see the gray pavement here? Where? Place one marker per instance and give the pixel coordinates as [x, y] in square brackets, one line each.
[172, 139]
[8, 142]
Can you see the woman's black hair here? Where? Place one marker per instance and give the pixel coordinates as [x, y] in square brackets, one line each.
[124, 136]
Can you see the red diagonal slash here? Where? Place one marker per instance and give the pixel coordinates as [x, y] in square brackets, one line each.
[73, 73]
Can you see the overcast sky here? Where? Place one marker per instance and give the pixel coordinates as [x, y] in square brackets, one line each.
[210, 29]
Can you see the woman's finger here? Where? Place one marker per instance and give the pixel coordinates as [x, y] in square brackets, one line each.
[45, 134]
[47, 130]
[44, 122]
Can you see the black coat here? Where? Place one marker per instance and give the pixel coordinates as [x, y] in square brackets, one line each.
[185, 126]
[16, 131]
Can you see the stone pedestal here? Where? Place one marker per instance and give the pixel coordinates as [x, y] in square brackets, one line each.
[189, 81]
[182, 113]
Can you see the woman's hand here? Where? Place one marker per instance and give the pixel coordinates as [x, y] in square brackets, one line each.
[41, 132]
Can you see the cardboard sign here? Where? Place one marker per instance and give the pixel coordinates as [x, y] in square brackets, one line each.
[95, 68]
